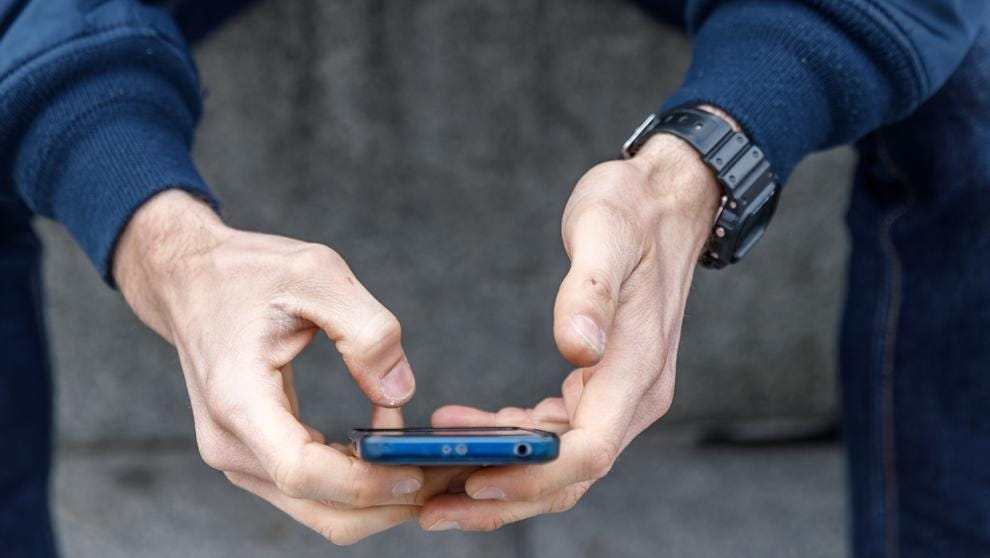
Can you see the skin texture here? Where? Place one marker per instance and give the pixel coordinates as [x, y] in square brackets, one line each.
[634, 231]
[239, 306]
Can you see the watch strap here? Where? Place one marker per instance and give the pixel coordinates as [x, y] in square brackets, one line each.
[749, 186]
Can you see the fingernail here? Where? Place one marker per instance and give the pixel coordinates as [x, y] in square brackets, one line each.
[589, 331]
[405, 486]
[444, 525]
[398, 384]
[489, 493]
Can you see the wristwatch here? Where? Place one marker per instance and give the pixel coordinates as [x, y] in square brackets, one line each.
[750, 188]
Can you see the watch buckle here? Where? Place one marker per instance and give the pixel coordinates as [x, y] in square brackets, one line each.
[629, 148]
[721, 208]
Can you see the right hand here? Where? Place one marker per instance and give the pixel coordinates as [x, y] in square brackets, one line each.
[239, 307]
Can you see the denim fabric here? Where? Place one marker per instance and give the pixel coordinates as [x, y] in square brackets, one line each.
[25, 392]
[915, 345]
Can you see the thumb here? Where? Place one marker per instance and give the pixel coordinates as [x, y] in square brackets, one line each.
[603, 254]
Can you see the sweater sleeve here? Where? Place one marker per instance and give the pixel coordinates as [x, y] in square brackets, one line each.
[98, 102]
[804, 75]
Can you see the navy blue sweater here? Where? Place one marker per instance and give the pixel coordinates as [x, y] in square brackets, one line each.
[99, 99]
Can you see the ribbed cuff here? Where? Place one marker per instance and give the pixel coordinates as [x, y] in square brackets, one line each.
[789, 75]
[110, 163]
[99, 126]
[115, 161]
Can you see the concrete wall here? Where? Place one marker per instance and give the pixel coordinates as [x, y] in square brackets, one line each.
[434, 145]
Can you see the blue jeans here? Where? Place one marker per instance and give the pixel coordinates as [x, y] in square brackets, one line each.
[915, 348]
[25, 391]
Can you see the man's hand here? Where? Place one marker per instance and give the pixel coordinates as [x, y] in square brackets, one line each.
[634, 231]
[239, 307]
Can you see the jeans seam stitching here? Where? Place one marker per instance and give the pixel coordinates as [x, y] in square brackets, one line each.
[891, 318]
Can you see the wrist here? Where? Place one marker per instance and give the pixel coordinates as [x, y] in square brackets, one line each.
[682, 190]
[687, 189]
[154, 251]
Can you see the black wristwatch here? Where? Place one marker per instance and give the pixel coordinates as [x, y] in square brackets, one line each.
[750, 188]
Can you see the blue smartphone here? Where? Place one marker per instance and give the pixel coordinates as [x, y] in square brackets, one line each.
[474, 445]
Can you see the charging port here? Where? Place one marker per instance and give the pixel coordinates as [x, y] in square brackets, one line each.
[522, 450]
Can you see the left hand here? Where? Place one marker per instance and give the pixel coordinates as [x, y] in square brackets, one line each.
[634, 231]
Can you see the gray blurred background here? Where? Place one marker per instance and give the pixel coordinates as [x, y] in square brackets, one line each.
[434, 145]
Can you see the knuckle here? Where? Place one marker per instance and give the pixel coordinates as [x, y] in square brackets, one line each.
[236, 480]
[622, 221]
[530, 489]
[314, 258]
[492, 523]
[619, 232]
[290, 477]
[604, 181]
[213, 458]
[326, 531]
[357, 476]
[223, 408]
[210, 450]
[601, 456]
[659, 397]
[609, 212]
[223, 404]
[382, 329]
[663, 404]
[612, 176]
[566, 499]
[340, 534]
[342, 539]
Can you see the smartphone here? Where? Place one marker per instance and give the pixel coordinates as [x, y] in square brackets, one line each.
[475, 445]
